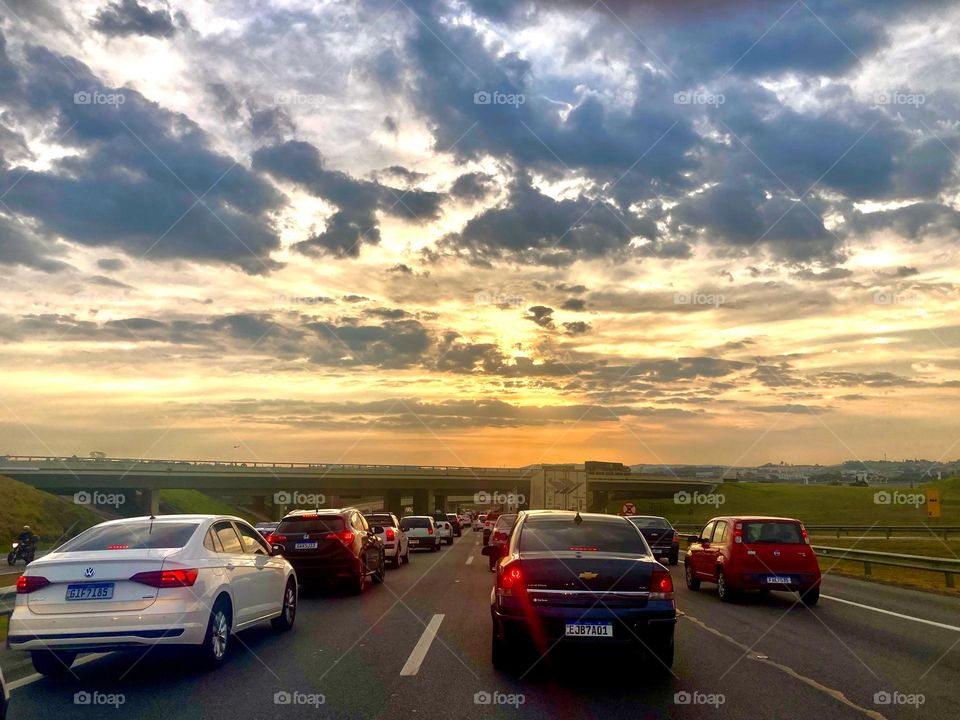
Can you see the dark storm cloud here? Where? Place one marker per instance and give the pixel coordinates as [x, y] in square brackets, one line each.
[128, 17]
[138, 181]
[541, 315]
[472, 186]
[553, 232]
[355, 223]
[111, 264]
[574, 304]
[18, 246]
[577, 327]
[914, 222]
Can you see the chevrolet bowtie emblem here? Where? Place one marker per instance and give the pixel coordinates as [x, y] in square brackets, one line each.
[588, 575]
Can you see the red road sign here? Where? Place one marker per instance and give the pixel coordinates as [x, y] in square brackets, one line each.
[628, 509]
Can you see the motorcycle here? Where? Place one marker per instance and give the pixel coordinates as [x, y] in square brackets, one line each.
[22, 551]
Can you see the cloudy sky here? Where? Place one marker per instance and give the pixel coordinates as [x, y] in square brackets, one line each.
[480, 231]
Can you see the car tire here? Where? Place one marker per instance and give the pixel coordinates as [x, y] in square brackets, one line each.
[436, 546]
[288, 613]
[406, 556]
[52, 663]
[397, 560]
[724, 591]
[380, 574]
[675, 559]
[450, 540]
[216, 641]
[502, 653]
[692, 582]
[810, 596]
[359, 583]
[662, 654]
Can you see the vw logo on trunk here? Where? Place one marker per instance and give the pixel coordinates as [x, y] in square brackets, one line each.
[88, 572]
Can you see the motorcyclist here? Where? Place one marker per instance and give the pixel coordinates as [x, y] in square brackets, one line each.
[26, 536]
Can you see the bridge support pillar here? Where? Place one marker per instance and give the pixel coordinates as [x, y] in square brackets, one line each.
[259, 505]
[599, 501]
[440, 503]
[423, 502]
[150, 501]
[393, 502]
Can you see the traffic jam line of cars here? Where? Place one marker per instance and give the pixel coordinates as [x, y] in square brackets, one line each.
[192, 581]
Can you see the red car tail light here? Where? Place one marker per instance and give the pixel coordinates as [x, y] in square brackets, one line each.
[661, 585]
[676, 538]
[803, 532]
[118, 547]
[510, 579]
[498, 535]
[346, 536]
[271, 539]
[429, 531]
[391, 535]
[738, 532]
[27, 584]
[166, 578]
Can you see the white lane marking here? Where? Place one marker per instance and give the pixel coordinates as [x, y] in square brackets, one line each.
[469, 559]
[412, 666]
[890, 612]
[37, 676]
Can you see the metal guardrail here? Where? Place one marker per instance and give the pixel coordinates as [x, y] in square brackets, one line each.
[886, 530]
[950, 567]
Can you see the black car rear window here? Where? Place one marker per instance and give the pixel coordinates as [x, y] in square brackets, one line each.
[780, 533]
[416, 522]
[380, 519]
[132, 536]
[655, 523]
[588, 536]
[294, 525]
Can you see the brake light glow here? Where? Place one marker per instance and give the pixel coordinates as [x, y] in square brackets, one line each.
[312, 516]
[346, 537]
[29, 583]
[579, 548]
[661, 585]
[118, 547]
[510, 579]
[676, 538]
[738, 532]
[429, 531]
[391, 535]
[803, 532]
[271, 539]
[166, 578]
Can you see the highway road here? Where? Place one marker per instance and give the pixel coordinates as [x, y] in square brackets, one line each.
[419, 647]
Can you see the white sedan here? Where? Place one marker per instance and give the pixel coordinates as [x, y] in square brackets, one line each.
[187, 580]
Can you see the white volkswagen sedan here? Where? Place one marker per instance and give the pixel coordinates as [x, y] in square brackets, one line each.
[187, 580]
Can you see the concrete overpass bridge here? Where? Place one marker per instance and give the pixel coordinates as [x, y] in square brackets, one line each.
[423, 487]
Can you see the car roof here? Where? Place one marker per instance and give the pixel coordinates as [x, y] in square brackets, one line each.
[748, 518]
[646, 517]
[169, 518]
[319, 511]
[560, 514]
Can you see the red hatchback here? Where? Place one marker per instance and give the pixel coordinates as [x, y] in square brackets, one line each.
[753, 553]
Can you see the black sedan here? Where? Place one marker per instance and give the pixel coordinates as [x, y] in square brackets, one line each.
[660, 536]
[579, 579]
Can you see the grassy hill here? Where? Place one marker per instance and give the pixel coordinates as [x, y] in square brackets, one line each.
[813, 504]
[194, 501]
[47, 515]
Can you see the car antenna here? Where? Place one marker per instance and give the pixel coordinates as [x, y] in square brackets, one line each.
[577, 519]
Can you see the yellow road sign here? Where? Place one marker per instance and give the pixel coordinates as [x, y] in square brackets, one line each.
[933, 503]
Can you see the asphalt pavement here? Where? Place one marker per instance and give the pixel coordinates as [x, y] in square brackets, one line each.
[419, 647]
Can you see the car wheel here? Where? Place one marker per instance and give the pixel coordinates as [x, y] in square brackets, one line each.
[726, 593]
[52, 663]
[692, 582]
[289, 611]
[436, 546]
[216, 641]
[450, 540]
[359, 583]
[406, 556]
[810, 597]
[662, 653]
[504, 656]
[397, 560]
[675, 559]
[381, 572]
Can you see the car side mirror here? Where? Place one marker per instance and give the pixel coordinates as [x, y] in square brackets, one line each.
[376, 529]
[490, 551]
[275, 550]
[693, 539]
